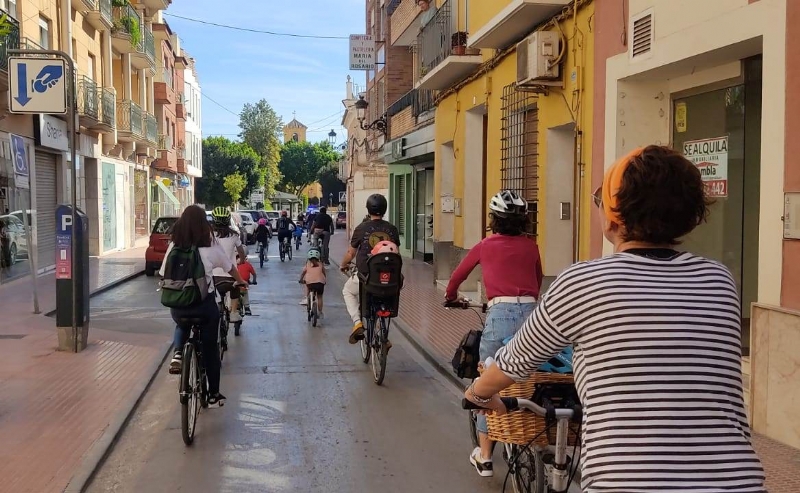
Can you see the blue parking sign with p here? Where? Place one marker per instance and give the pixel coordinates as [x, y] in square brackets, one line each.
[20, 157]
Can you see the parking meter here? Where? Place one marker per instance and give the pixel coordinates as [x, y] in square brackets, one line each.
[69, 279]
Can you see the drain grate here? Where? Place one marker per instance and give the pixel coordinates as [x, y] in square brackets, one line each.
[12, 336]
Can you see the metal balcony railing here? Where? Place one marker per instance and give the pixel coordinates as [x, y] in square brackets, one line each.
[106, 10]
[92, 4]
[129, 117]
[126, 20]
[9, 40]
[165, 75]
[180, 152]
[435, 40]
[88, 97]
[148, 43]
[419, 100]
[164, 142]
[392, 6]
[108, 107]
[151, 128]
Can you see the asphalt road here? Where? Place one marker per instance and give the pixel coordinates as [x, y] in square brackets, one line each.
[303, 413]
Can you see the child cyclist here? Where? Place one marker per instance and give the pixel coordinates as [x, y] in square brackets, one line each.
[247, 272]
[314, 277]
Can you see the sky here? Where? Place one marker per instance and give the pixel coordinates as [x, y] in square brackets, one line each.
[293, 74]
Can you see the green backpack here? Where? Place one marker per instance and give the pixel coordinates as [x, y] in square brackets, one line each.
[184, 284]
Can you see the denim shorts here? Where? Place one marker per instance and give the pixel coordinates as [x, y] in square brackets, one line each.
[503, 320]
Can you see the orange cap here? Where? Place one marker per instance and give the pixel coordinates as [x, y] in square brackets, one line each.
[612, 181]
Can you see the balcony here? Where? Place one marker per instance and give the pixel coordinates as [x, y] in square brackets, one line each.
[84, 6]
[88, 101]
[151, 129]
[145, 54]
[180, 108]
[165, 143]
[156, 4]
[126, 33]
[441, 53]
[101, 14]
[130, 124]
[183, 161]
[406, 21]
[515, 22]
[166, 154]
[411, 110]
[163, 87]
[108, 111]
[7, 41]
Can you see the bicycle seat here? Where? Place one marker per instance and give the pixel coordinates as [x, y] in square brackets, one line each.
[189, 322]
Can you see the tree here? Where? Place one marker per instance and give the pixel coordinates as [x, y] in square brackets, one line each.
[234, 184]
[222, 158]
[261, 129]
[328, 177]
[301, 162]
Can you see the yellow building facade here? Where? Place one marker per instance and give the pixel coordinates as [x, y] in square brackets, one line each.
[495, 130]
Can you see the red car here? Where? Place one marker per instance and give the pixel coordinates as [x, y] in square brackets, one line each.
[159, 241]
[341, 220]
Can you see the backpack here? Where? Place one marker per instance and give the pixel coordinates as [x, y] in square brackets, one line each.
[465, 361]
[184, 284]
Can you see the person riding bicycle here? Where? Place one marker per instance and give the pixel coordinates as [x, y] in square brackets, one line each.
[263, 234]
[314, 277]
[322, 228]
[301, 220]
[230, 241]
[192, 230]
[512, 278]
[248, 273]
[365, 237]
[657, 341]
[285, 227]
[310, 217]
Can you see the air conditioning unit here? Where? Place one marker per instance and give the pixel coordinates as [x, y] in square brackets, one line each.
[535, 57]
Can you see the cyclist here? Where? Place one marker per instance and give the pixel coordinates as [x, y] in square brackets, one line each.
[248, 273]
[310, 217]
[285, 226]
[512, 278]
[323, 229]
[230, 241]
[657, 342]
[301, 220]
[193, 230]
[314, 277]
[365, 237]
[263, 234]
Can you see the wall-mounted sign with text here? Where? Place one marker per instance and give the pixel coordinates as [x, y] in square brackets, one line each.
[711, 158]
[362, 52]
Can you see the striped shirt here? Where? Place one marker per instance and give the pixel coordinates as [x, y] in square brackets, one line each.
[657, 362]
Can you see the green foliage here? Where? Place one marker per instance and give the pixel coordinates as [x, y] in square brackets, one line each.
[234, 185]
[119, 3]
[5, 25]
[301, 163]
[328, 177]
[222, 158]
[304, 198]
[261, 129]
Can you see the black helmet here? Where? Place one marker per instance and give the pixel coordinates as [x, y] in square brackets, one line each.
[323, 210]
[376, 204]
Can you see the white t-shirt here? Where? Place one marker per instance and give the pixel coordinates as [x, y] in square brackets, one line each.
[213, 257]
[229, 246]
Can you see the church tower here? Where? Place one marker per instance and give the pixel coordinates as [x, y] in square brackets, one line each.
[294, 130]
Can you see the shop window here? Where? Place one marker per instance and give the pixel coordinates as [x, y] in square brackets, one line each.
[520, 148]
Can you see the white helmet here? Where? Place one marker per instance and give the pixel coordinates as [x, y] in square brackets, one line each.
[508, 202]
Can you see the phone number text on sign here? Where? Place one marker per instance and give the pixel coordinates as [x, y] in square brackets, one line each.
[711, 158]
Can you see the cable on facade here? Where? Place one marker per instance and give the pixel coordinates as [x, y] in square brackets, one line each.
[257, 31]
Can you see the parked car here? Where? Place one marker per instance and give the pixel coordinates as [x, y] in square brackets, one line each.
[13, 240]
[249, 226]
[159, 241]
[341, 220]
[272, 217]
[238, 226]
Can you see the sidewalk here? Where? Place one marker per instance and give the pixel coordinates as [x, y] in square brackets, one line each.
[60, 411]
[437, 332]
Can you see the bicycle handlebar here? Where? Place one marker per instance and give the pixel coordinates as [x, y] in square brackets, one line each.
[465, 304]
[514, 404]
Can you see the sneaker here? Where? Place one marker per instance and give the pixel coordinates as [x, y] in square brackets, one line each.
[218, 400]
[175, 363]
[484, 467]
[247, 311]
[236, 317]
[358, 333]
[304, 302]
[320, 316]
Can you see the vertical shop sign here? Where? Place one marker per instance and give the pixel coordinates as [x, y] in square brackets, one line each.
[711, 158]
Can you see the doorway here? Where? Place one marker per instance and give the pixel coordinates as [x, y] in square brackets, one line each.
[559, 195]
[423, 248]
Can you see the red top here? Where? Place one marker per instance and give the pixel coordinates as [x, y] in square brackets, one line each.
[246, 270]
[511, 266]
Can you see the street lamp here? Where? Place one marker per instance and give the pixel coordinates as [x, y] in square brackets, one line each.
[332, 138]
[361, 112]
[330, 199]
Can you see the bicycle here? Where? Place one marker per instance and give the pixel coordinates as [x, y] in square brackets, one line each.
[262, 253]
[553, 473]
[286, 248]
[298, 238]
[193, 390]
[312, 306]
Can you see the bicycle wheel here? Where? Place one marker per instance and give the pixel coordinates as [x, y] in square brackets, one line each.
[289, 250]
[380, 349]
[473, 429]
[314, 310]
[261, 257]
[189, 393]
[282, 251]
[222, 333]
[366, 348]
[527, 470]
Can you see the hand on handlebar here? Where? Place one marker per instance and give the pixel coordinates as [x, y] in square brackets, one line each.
[494, 406]
[241, 285]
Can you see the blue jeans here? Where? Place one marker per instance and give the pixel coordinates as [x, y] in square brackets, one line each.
[503, 320]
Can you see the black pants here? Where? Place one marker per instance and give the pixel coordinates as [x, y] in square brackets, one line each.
[282, 235]
[209, 312]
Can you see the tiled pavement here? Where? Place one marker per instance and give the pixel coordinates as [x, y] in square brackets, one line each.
[438, 331]
[58, 411]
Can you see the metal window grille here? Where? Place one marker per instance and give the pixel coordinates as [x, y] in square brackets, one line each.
[520, 148]
[401, 203]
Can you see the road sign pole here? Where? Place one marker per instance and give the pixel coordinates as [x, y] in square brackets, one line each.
[71, 117]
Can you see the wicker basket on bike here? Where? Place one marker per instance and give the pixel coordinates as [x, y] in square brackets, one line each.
[522, 427]
[383, 281]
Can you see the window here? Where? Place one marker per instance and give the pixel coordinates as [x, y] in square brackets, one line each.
[92, 63]
[520, 148]
[10, 6]
[381, 58]
[44, 33]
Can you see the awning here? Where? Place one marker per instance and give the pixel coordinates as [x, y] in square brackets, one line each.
[168, 193]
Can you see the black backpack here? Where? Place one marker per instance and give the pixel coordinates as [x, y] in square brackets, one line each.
[184, 284]
[465, 361]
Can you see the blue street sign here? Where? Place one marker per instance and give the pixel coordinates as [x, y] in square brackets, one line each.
[21, 170]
